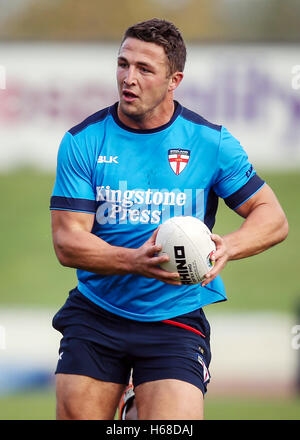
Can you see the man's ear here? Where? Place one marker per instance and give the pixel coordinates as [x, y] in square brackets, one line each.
[175, 80]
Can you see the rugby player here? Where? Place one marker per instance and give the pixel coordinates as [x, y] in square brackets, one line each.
[121, 173]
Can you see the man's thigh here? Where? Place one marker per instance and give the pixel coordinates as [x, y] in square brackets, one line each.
[169, 399]
[92, 369]
[169, 352]
[85, 398]
[89, 383]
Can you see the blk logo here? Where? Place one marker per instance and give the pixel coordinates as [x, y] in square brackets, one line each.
[107, 159]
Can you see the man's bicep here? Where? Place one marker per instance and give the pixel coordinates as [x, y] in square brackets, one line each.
[68, 221]
[264, 196]
[68, 230]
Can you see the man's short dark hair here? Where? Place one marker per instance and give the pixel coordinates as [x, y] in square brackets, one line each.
[165, 34]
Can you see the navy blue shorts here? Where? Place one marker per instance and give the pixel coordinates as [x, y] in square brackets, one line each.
[105, 346]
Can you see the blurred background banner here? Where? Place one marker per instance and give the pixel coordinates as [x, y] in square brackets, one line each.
[57, 66]
[51, 87]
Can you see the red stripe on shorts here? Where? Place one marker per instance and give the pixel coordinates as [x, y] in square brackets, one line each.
[187, 327]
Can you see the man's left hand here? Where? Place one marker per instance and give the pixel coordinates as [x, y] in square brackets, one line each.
[221, 257]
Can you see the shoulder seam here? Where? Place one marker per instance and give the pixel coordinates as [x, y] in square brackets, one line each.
[198, 119]
[90, 120]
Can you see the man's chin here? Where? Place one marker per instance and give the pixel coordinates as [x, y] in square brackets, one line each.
[130, 110]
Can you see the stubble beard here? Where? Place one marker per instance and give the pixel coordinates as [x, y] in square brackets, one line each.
[140, 113]
[132, 112]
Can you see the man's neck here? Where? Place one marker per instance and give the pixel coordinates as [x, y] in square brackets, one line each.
[153, 119]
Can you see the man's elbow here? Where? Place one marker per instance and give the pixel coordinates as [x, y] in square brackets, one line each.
[64, 260]
[62, 254]
[282, 230]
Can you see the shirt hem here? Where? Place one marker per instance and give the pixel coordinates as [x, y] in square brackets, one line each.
[218, 297]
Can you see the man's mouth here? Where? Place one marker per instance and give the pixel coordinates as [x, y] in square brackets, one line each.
[129, 96]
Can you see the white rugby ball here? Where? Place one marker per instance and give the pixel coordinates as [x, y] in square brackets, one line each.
[187, 241]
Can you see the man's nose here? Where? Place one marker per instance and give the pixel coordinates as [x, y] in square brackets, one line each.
[130, 77]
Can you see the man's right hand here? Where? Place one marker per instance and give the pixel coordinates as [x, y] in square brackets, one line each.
[145, 262]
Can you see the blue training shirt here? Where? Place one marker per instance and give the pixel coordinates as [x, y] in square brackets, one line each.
[133, 180]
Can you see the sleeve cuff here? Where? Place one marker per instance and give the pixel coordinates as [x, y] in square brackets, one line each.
[72, 204]
[243, 194]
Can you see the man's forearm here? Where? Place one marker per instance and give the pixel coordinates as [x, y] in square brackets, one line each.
[261, 229]
[83, 250]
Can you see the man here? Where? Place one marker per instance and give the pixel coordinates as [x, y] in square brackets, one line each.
[115, 184]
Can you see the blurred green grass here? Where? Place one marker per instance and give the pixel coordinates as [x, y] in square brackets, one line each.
[29, 270]
[31, 275]
[251, 408]
[40, 405]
